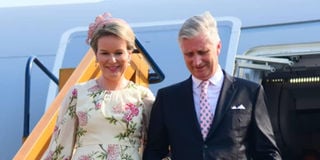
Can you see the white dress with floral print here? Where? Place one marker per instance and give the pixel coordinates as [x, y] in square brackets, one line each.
[99, 124]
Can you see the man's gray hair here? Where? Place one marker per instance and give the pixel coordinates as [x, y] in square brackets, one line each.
[204, 23]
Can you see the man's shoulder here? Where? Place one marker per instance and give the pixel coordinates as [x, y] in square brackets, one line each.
[241, 81]
[177, 86]
[246, 83]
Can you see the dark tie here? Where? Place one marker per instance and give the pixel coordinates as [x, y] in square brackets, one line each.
[206, 115]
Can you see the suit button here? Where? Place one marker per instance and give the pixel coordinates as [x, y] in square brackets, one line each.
[205, 146]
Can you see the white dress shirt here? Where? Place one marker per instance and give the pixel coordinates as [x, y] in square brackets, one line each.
[214, 88]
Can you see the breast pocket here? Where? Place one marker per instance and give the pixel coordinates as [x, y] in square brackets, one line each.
[240, 119]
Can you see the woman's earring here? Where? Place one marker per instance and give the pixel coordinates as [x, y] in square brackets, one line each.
[129, 60]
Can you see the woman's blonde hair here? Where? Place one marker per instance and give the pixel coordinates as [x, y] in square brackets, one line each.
[105, 25]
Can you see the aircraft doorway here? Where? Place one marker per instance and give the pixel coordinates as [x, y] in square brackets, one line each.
[294, 108]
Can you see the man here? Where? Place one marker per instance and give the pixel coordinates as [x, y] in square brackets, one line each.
[235, 113]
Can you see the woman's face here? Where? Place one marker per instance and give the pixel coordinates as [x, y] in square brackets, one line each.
[112, 56]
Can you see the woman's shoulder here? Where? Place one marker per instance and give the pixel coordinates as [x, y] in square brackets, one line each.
[133, 85]
[139, 88]
[87, 85]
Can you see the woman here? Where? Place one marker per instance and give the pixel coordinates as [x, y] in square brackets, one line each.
[104, 118]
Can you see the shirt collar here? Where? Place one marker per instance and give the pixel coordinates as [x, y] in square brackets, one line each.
[216, 79]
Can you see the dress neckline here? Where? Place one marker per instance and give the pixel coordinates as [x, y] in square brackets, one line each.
[112, 91]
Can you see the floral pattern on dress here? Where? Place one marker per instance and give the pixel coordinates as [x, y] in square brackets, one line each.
[56, 155]
[83, 118]
[113, 152]
[131, 111]
[99, 124]
[94, 93]
[73, 103]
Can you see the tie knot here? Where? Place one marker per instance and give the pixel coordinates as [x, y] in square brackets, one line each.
[204, 84]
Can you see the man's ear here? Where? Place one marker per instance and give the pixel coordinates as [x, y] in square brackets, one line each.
[219, 47]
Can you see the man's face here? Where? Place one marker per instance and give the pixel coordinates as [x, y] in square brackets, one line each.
[201, 55]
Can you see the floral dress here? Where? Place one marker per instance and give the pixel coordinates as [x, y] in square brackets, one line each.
[97, 124]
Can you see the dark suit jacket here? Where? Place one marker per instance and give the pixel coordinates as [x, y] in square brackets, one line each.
[235, 134]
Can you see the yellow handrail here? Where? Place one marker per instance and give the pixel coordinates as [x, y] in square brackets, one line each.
[37, 142]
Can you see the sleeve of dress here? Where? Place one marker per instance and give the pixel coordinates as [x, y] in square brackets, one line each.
[63, 137]
[148, 99]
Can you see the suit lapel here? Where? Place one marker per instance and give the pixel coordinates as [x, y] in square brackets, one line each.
[190, 108]
[226, 96]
